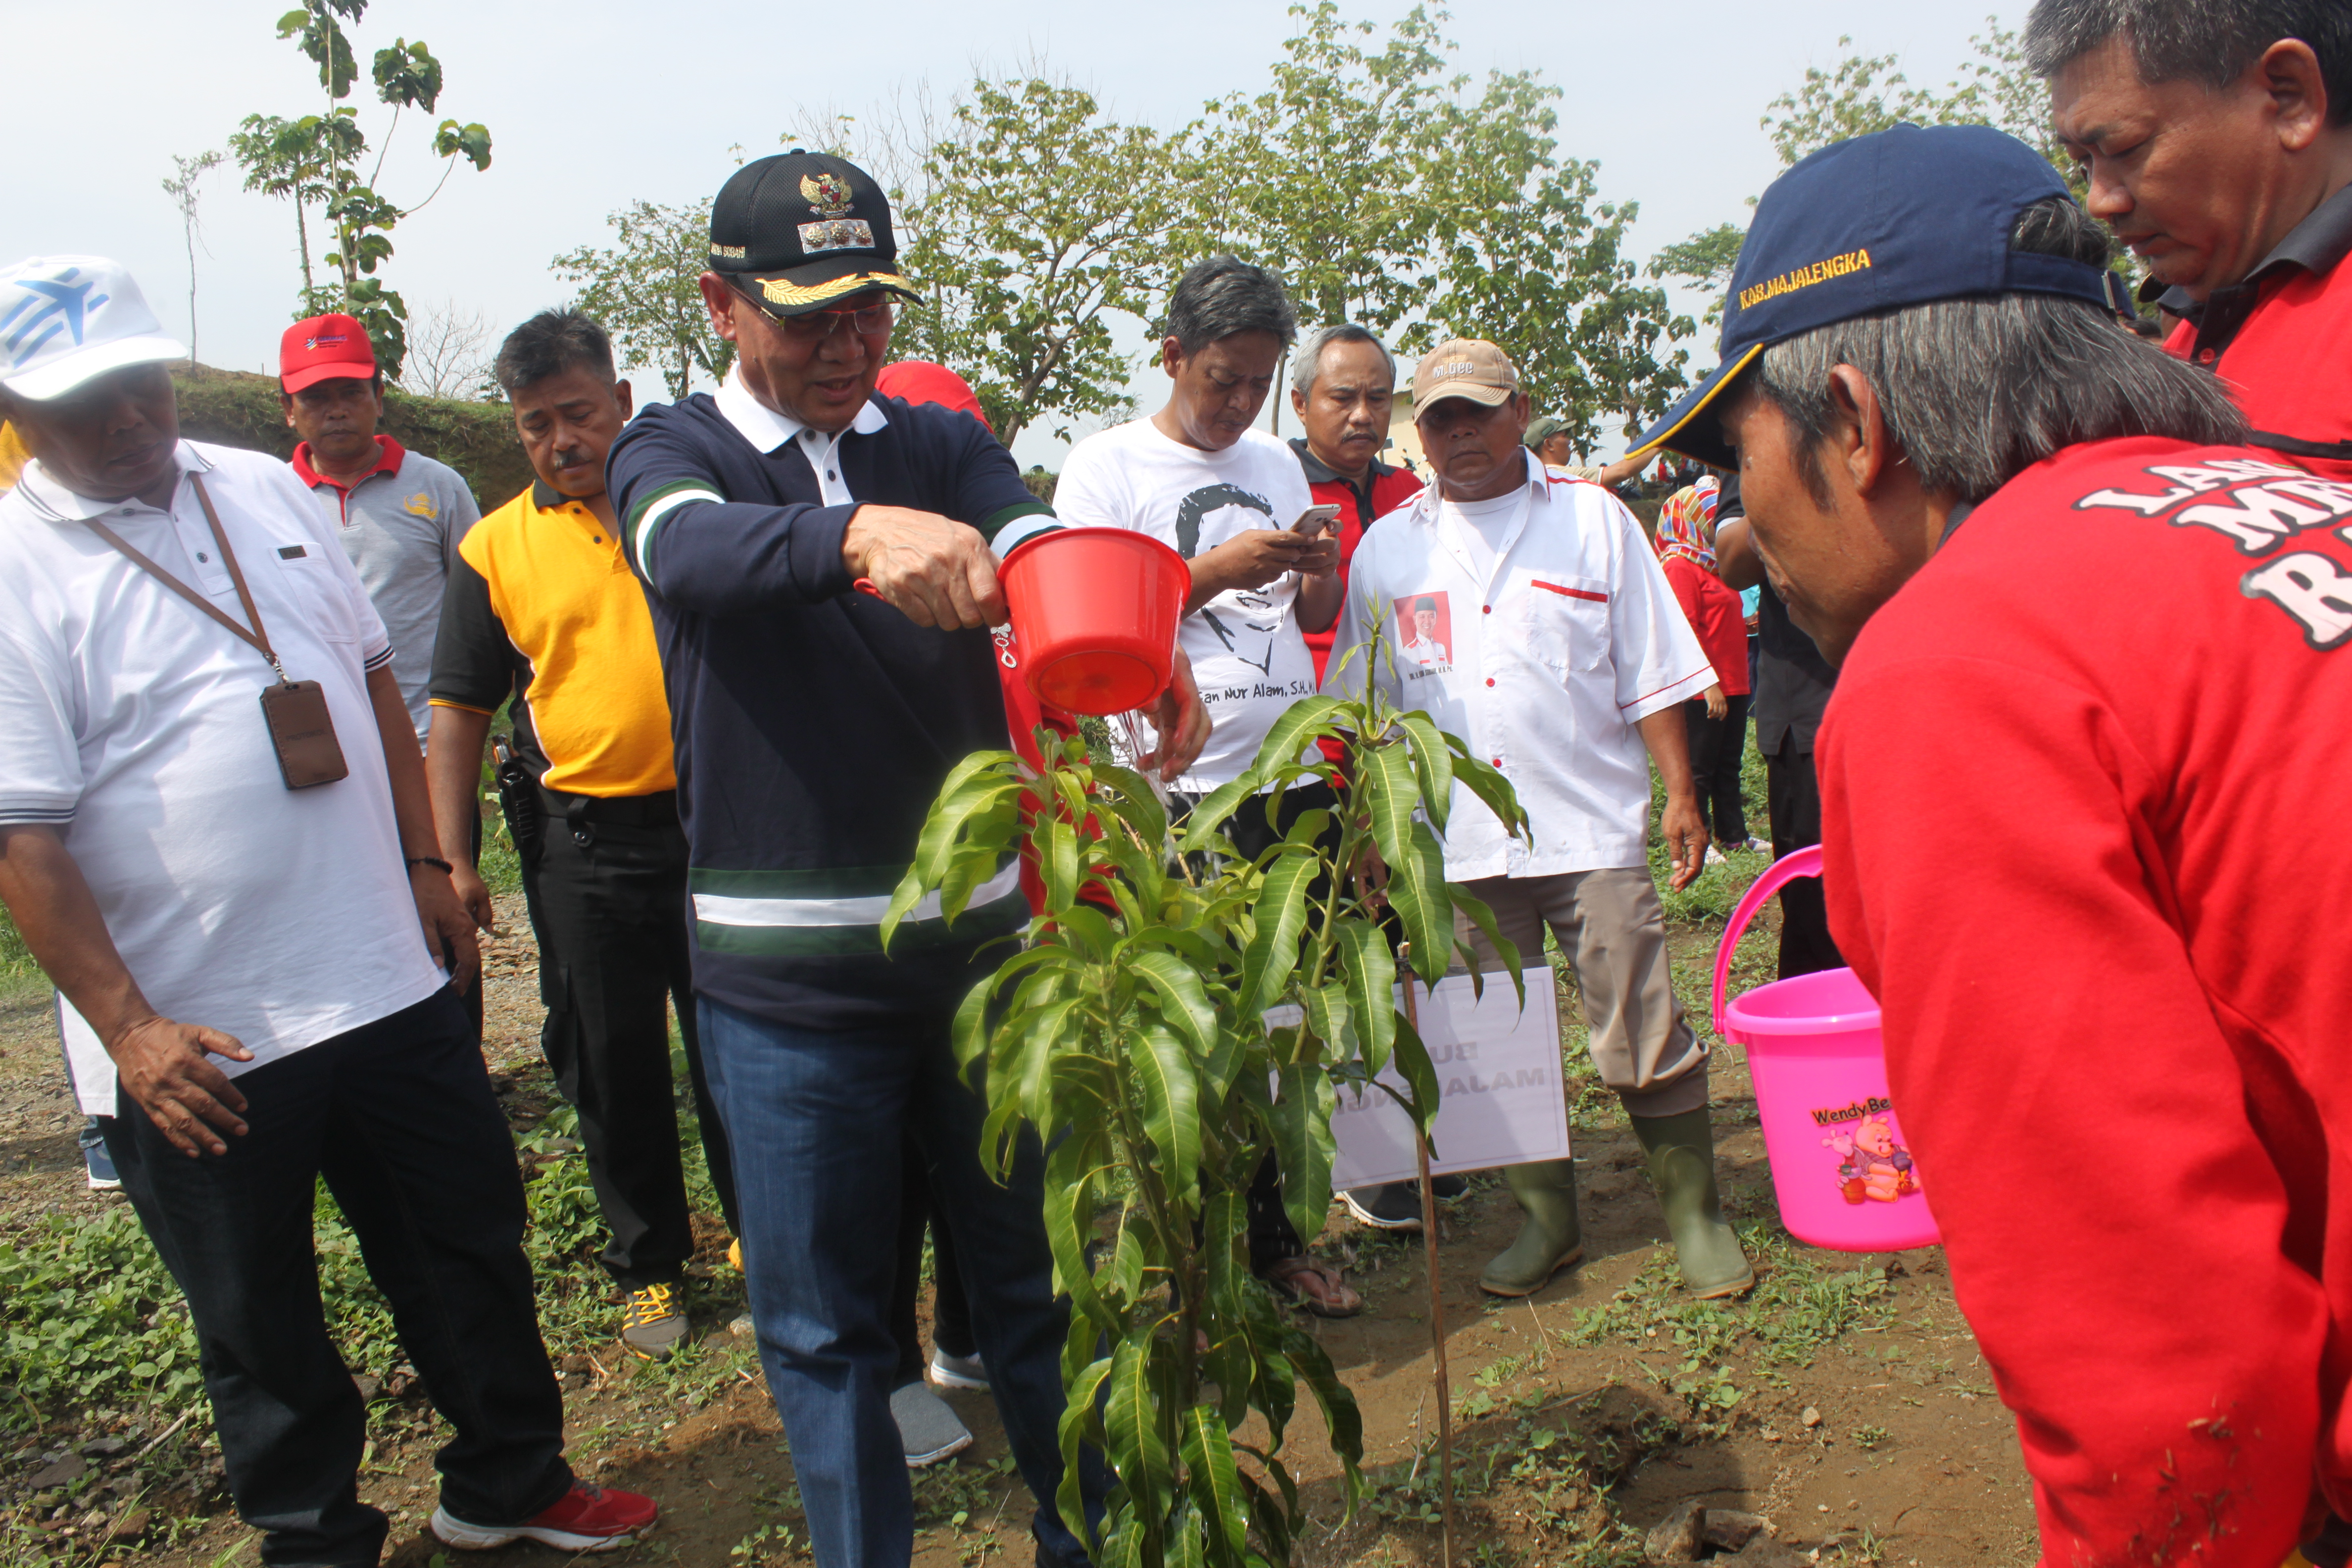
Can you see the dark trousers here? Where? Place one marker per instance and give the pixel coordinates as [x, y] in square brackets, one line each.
[1718, 746]
[1272, 1237]
[397, 1117]
[1794, 797]
[951, 1310]
[606, 887]
[822, 1117]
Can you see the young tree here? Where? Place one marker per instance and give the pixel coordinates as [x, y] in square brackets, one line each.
[644, 291]
[322, 154]
[448, 353]
[1037, 220]
[182, 188]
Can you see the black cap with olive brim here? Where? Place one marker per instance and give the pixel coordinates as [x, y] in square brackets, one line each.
[800, 230]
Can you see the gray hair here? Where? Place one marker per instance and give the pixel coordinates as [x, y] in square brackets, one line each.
[1976, 389]
[550, 343]
[1220, 295]
[2208, 41]
[1307, 363]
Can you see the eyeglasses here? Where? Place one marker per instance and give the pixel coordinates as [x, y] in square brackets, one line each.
[815, 327]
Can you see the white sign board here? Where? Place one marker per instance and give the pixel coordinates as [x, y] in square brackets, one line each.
[1500, 1099]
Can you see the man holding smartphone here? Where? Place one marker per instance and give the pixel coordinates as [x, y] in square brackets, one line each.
[1232, 501]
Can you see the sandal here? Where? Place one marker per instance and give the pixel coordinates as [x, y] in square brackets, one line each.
[1289, 1279]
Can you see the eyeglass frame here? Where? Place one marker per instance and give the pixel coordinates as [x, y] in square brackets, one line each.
[884, 304]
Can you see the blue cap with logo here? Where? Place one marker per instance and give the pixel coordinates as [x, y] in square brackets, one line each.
[1898, 217]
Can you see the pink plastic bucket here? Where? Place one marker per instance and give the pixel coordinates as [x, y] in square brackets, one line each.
[1844, 1177]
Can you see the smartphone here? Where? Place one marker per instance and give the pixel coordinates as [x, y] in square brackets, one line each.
[1316, 520]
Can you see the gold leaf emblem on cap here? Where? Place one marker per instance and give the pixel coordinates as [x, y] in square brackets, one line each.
[828, 193]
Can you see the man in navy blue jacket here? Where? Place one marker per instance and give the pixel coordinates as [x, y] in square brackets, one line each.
[814, 725]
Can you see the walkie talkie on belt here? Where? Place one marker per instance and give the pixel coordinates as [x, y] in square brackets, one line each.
[518, 797]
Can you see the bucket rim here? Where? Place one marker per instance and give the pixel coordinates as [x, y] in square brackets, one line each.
[1069, 530]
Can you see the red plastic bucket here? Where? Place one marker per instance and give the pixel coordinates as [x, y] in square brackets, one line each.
[1096, 611]
[1844, 1177]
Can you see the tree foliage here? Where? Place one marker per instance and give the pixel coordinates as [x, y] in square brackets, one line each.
[1391, 192]
[1704, 260]
[317, 158]
[644, 291]
[1869, 92]
[1165, 1026]
[1036, 219]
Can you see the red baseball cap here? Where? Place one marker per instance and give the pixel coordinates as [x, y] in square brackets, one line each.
[321, 349]
[921, 381]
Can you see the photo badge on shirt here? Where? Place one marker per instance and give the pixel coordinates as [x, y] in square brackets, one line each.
[1424, 634]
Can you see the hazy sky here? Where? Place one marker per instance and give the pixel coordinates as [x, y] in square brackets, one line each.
[593, 104]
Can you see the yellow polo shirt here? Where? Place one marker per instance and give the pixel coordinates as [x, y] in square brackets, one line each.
[542, 606]
[13, 457]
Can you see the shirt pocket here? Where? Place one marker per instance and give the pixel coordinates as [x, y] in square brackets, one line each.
[1565, 620]
[318, 593]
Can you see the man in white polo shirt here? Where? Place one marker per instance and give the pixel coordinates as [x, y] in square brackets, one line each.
[1564, 658]
[216, 837]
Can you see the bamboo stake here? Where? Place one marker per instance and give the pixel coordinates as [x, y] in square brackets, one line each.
[1436, 1304]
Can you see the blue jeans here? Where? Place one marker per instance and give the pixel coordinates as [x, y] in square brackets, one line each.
[398, 1119]
[816, 1120]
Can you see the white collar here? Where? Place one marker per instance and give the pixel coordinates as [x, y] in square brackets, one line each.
[768, 430]
[1425, 505]
[47, 496]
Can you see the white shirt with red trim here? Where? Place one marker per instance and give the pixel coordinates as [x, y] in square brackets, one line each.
[1542, 657]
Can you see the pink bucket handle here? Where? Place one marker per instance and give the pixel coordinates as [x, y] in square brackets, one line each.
[1805, 862]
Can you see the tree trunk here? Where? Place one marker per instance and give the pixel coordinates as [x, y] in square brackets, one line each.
[192, 293]
[302, 233]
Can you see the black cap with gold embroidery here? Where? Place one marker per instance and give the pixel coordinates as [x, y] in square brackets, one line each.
[800, 230]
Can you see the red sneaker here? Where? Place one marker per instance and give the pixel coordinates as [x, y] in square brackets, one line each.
[585, 1519]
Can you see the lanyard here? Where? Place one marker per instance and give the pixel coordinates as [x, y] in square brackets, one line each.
[257, 637]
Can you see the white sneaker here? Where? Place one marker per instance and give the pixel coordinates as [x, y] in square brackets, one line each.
[959, 1370]
[1714, 857]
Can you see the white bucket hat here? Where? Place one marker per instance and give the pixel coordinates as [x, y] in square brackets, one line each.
[65, 319]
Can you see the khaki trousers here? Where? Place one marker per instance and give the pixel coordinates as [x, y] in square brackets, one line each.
[1612, 930]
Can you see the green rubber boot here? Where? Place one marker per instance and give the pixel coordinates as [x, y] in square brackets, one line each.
[1549, 1237]
[1682, 1167]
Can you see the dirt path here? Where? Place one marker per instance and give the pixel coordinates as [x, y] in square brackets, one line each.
[1846, 1401]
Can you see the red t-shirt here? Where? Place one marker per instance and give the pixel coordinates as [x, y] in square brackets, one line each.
[2289, 368]
[1715, 613]
[2116, 1016]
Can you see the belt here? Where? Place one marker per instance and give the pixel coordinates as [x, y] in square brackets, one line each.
[656, 810]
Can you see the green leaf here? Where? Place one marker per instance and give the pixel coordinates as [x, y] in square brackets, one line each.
[1340, 1412]
[1069, 1226]
[1414, 1066]
[1135, 804]
[1138, 1453]
[1303, 1144]
[1417, 892]
[1290, 734]
[1188, 1546]
[1209, 816]
[1171, 1106]
[1332, 1019]
[1432, 762]
[1371, 970]
[1389, 792]
[1273, 953]
[1184, 1002]
[1471, 905]
[1078, 1423]
[1208, 1450]
[1125, 1274]
[1492, 788]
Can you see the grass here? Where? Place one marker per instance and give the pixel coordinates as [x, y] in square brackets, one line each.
[96, 1344]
